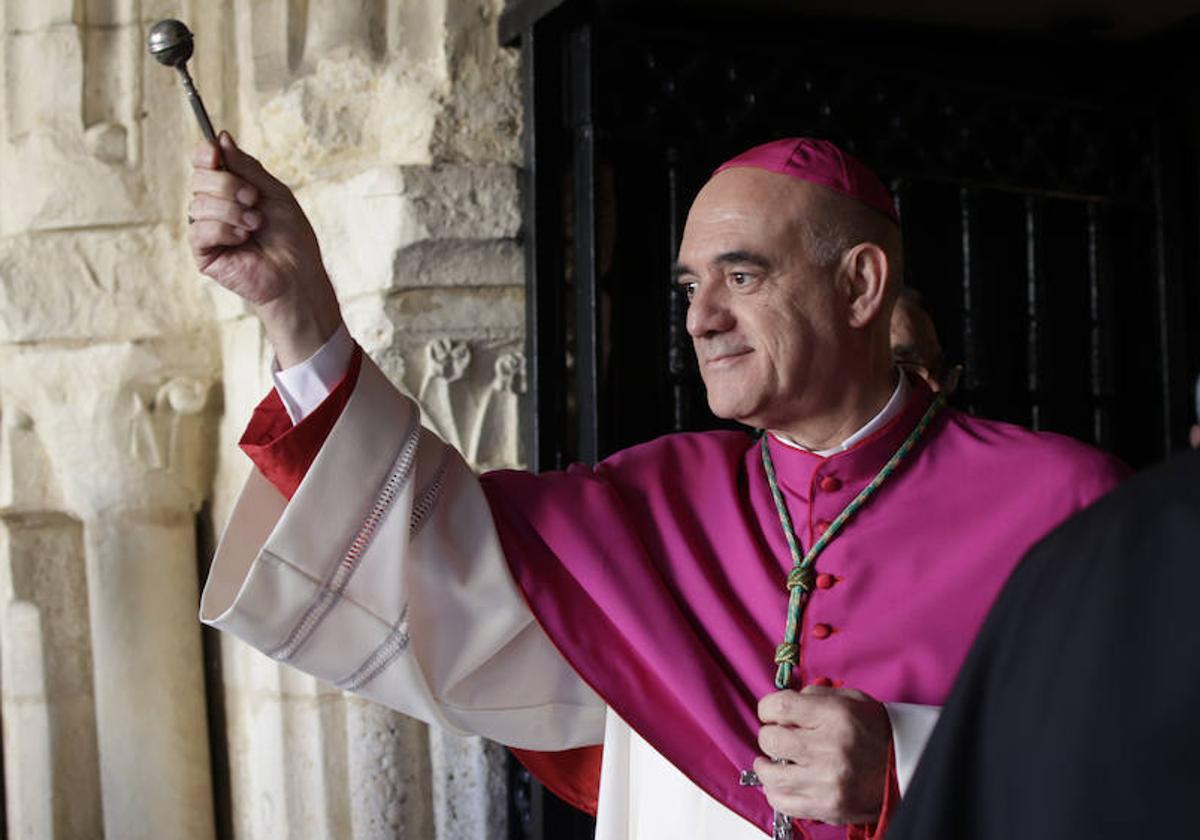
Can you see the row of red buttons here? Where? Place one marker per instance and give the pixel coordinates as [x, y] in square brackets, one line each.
[824, 631]
[829, 484]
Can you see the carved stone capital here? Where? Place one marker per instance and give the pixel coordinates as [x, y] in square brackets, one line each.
[101, 428]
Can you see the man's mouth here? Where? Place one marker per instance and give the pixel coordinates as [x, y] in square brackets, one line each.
[726, 357]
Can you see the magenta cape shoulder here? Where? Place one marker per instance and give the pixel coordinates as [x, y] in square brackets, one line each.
[660, 574]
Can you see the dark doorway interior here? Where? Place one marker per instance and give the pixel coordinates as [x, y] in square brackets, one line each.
[1046, 174]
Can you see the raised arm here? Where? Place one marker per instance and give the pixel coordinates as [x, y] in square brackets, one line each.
[382, 573]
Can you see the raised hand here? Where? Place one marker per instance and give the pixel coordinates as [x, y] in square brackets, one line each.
[249, 234]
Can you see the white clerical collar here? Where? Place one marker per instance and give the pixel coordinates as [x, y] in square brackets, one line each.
[891, 409]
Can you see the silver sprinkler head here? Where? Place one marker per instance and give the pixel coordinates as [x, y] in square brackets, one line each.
[170, 42]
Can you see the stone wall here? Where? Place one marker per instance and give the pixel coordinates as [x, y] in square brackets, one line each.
[125, 380]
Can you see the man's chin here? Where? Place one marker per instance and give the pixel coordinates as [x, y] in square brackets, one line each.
[732, 410]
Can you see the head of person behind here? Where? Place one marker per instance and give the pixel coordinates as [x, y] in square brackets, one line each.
[791, 260]
[915, 344]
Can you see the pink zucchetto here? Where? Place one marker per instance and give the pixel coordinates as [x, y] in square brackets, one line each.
[820, 162]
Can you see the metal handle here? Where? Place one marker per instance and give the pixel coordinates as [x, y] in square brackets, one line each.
[198, 109]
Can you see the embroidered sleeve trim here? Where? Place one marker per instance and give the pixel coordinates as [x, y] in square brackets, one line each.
[331, 592]
[396, 642]
[427, 497]
[393, 645]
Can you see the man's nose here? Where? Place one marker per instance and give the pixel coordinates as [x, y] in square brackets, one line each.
[708, 313]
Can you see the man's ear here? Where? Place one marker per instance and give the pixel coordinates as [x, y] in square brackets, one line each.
[865, 268]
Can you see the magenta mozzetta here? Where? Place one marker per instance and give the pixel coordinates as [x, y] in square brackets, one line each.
[661, 574]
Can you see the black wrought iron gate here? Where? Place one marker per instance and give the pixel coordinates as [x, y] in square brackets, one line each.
[1047, 183]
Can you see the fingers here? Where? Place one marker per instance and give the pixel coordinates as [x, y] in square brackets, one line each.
[783, 742]
[786, 779]
[208, 235]
[791, 791]
[804, 708]
[829, 691]
[205, 156]
[224, 185]
[823, 791]
[789, 707]
[210, 208]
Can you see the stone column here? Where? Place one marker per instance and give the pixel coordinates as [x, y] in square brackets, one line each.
[154, 757]
[389, 774]
[50, 739]
[106, 380]
[52, 783]
[103, 470]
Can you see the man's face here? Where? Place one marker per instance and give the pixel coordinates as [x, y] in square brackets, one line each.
[768, 325]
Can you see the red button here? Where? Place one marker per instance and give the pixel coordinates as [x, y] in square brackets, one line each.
[821, 631]
[825, 581]
[830, 484]
[822, 681]
[822, 527]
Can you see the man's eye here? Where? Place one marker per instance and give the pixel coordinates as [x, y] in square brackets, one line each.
[741, 278]
[689, 290]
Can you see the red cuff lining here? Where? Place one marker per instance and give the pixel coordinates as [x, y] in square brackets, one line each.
[282, 452]
[891, 801]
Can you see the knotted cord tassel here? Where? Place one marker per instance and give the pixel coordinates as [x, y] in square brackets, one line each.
[801, 577]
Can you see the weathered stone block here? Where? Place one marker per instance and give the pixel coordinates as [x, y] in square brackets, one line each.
[459, 262]
[480, 313]
[367, 224]
[25, 17]
[97, 286]
[41, 103]
[481, 120]
[346, 114]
